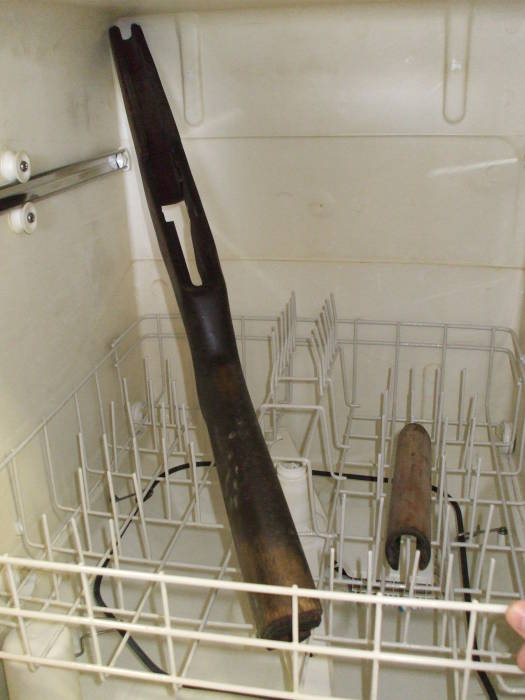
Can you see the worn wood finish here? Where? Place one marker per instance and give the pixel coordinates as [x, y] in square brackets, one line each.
[268, 548]
[410, 494]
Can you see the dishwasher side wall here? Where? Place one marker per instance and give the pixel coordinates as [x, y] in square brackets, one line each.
[67, 289]
[373, 150]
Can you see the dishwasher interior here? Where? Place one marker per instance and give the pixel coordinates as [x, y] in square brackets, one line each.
[361, 166]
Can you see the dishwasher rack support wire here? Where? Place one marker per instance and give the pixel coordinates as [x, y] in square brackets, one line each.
[64, 178]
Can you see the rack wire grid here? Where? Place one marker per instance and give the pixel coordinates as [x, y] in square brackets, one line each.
[158, 541]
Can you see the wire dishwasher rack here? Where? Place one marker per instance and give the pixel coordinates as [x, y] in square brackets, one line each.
[333, 395]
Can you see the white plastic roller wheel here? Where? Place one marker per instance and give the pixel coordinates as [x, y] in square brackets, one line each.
[15, 165]
[23, 219]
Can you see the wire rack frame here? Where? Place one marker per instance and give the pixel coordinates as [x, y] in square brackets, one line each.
[89, 530]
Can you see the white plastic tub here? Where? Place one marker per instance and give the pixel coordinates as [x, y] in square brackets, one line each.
[373, 151]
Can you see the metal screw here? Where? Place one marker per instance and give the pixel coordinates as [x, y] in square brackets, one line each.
[24, 166]
[30, 217]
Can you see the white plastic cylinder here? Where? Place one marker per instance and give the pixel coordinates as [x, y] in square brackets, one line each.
[292, 477]
[14, 165]
[23, 219]
[44, 683]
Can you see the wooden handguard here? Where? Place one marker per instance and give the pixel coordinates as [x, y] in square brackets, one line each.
[410, 494]
[268, 548]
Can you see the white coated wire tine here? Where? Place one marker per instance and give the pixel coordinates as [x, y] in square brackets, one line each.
[50, 466]
[77, 409]
[83, 462]
[469, 459]
[326, 330]
[177, 416]
[163, 420]
[444, 547]
[461, 401]
[468, 651]
[342, 534]
[378, 534]
[289, 339]
[295, 638]
[441, 496]
[125, 390]
[195, 480]
[167, 623]
[517, 404]
[438, 427]
[311, 498]
[472, 437]
[412, 587]
[317, 362]
[169, 379]
[131, 424]
[328, 324]
[140, 507]
[100, 404]
[447, 596]
[437, 384]
[481, 556]
[76, 541]
[114, 435]
[318, 343]
[333, 312]
[294, 307]
[26, 646]
[466, 445]
[84, 509]
[91, 618]
[380, 473]
[49, 553]
[369, 588]
[136, 458]
[374, 685]
[384, 423]
[284, 338]
[185, 432]
[326, 337]
[407, 559]
[444, 434]
[167, 493]
[474, 500]
[331, 587]
[105, 450]
[322, 341]
[280, 343]
[114, 508]
[488, 594]
[151, 403]
[273, 355]
[18, 502]
[453, 633]
[115, 554]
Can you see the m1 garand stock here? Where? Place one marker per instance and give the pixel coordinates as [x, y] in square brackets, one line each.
[267, 545]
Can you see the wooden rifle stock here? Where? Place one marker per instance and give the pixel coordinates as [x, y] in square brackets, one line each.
[268, 548]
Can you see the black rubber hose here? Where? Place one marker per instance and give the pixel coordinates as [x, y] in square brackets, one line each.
[135, 648]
